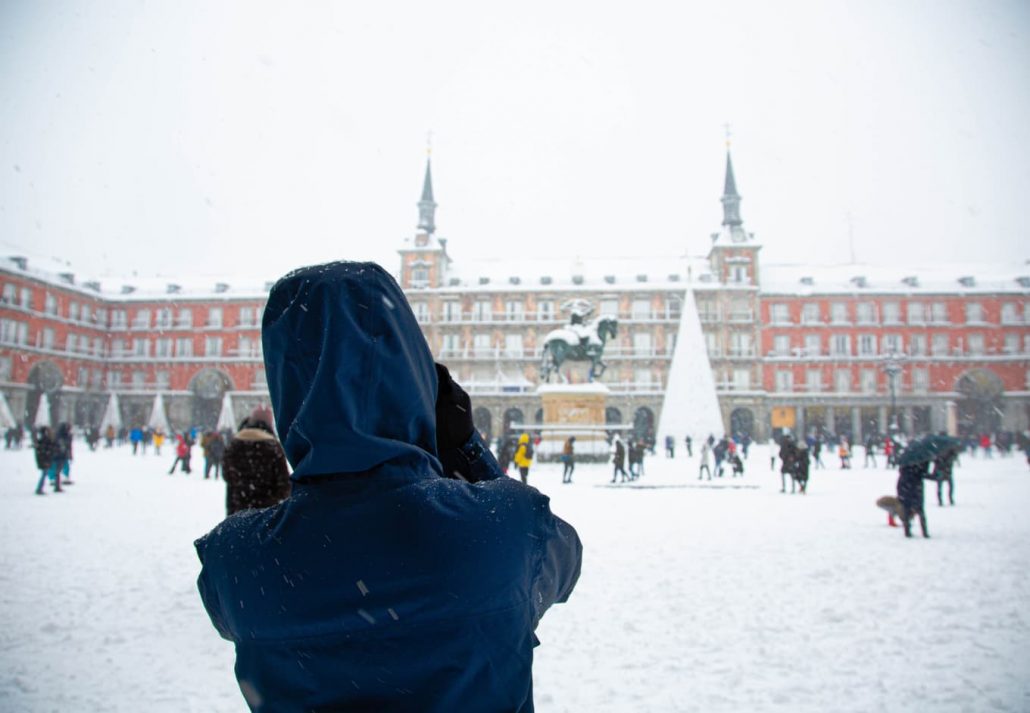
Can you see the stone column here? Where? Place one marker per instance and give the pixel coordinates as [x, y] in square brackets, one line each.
[908, 422]
[831, 421]
[856, 425]
[882, 415]
[801, 423]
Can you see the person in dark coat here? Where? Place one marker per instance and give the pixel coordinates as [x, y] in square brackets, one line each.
[910, 494]
[802, 463]
[943, 466]
[689, 442]
[619, 460]
[214, 451]
[788, 455]
[60, 464]
[43, 443]
[254, 467]
[670, 447]
[380, 584]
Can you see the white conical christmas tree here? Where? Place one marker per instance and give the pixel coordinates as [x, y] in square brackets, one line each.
[112, 414]
[158, 417]
[691, 407]
[6, 417]
[43, 412]
[227, 417]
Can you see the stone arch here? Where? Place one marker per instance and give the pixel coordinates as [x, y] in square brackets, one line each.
[742, 422]
[979, 403]
[612, 416]
[483, 422]
[643, 424]
[45, 377]
[208, 386]
[512, 415]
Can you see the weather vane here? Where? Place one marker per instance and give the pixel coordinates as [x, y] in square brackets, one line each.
[429, 143]
[726, 128]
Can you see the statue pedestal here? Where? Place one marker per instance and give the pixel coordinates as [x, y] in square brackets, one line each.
[573, 410]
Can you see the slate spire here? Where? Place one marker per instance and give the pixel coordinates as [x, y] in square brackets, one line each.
[730, 198]
[427, 206]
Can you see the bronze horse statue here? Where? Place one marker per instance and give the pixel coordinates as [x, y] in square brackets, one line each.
[578, 343]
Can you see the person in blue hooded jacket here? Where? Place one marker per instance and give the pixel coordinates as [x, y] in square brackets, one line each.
[404, 572]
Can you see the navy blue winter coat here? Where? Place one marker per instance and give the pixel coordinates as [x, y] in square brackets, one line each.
[910, 484]
[378, 585]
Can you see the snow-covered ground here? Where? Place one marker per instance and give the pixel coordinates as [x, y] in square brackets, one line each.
[694, 597]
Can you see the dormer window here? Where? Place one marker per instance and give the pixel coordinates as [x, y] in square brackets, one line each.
[419, 276]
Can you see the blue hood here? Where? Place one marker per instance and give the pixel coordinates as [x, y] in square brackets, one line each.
[349, 372]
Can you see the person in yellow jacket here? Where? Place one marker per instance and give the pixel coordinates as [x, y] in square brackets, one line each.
[524, 456]
[159, 439]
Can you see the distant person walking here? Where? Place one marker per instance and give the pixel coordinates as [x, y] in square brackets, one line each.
[670, 447]
[43, 443]
[214, 450]
[706, 459]
[568, 459]
[690, 446]
[182, 453]
[619, 460]
[870, 451]
[524, 456]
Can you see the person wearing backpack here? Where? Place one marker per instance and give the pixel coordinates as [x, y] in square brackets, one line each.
[524, 456]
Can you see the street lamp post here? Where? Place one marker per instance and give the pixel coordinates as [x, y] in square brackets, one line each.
[892, 367]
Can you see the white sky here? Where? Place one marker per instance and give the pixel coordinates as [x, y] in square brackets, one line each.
[220, 137]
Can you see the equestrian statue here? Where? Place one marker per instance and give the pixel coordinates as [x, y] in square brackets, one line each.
[579, 340]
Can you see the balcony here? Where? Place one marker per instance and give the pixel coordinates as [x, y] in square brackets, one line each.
[741, 317]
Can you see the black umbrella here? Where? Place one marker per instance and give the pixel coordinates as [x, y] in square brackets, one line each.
[920, 450]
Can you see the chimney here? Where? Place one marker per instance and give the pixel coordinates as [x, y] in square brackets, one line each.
[21, 262]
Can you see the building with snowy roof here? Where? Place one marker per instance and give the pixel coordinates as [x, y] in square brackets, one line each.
[799, 347]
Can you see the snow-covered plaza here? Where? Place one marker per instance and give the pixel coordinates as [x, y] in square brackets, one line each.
[695, 596]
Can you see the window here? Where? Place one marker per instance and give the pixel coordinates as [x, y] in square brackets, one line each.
[842, 381]
[1011, 344]
[784, 381]
[940, 344]
[248, 317]
[163, 347]
[892, 344]
[917, 345]
[10, 294]
[119, 319]
[1009, 313]
[513, 345]
[641, 309]
[481, 345]
[185, 318]
[513, 310]
[974, 313]
[72, 343]
[141, 347]
[741, 379]
[118, 348]
[939, 313]
[10, 331]
[891, 313]
[865, 313]
[114, 379]
[98, 346]
[26, 298]
[482, 311]
[920, 380]
[738, 274]
[976, 344]
[740, 311]
[642, 344]
[740, 344]
[97, 379]
[452, 311]
[163, 318]
[419, 277]
[810, 313]
[85, 313]
[259, 382]
[421, 310]
[100, 316]
[246, 347]
[707, 311]
[451, 344]
[814, 380]
[139, 380]
[642, 376]
[839, 312]
[867, 345]
[142, 319]
[73, 313]
[712, 344]
[841, 345]
[779, 314]
[214, 317]
[5, 368]
[781, 345]
[212, 346]
[868, 379]
[162, 380]
[545, 310]
[50, 304]
[46, 340]
[184, 347]
[916, 313]
[813, 345]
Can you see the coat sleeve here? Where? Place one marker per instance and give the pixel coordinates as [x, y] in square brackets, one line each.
[209, 596]
[473, 461]
[560, 556]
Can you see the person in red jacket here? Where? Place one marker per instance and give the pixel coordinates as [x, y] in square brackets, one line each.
[182, 453]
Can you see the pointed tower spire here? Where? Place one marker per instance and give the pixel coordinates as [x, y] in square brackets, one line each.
[730, 198]
[427, 206]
